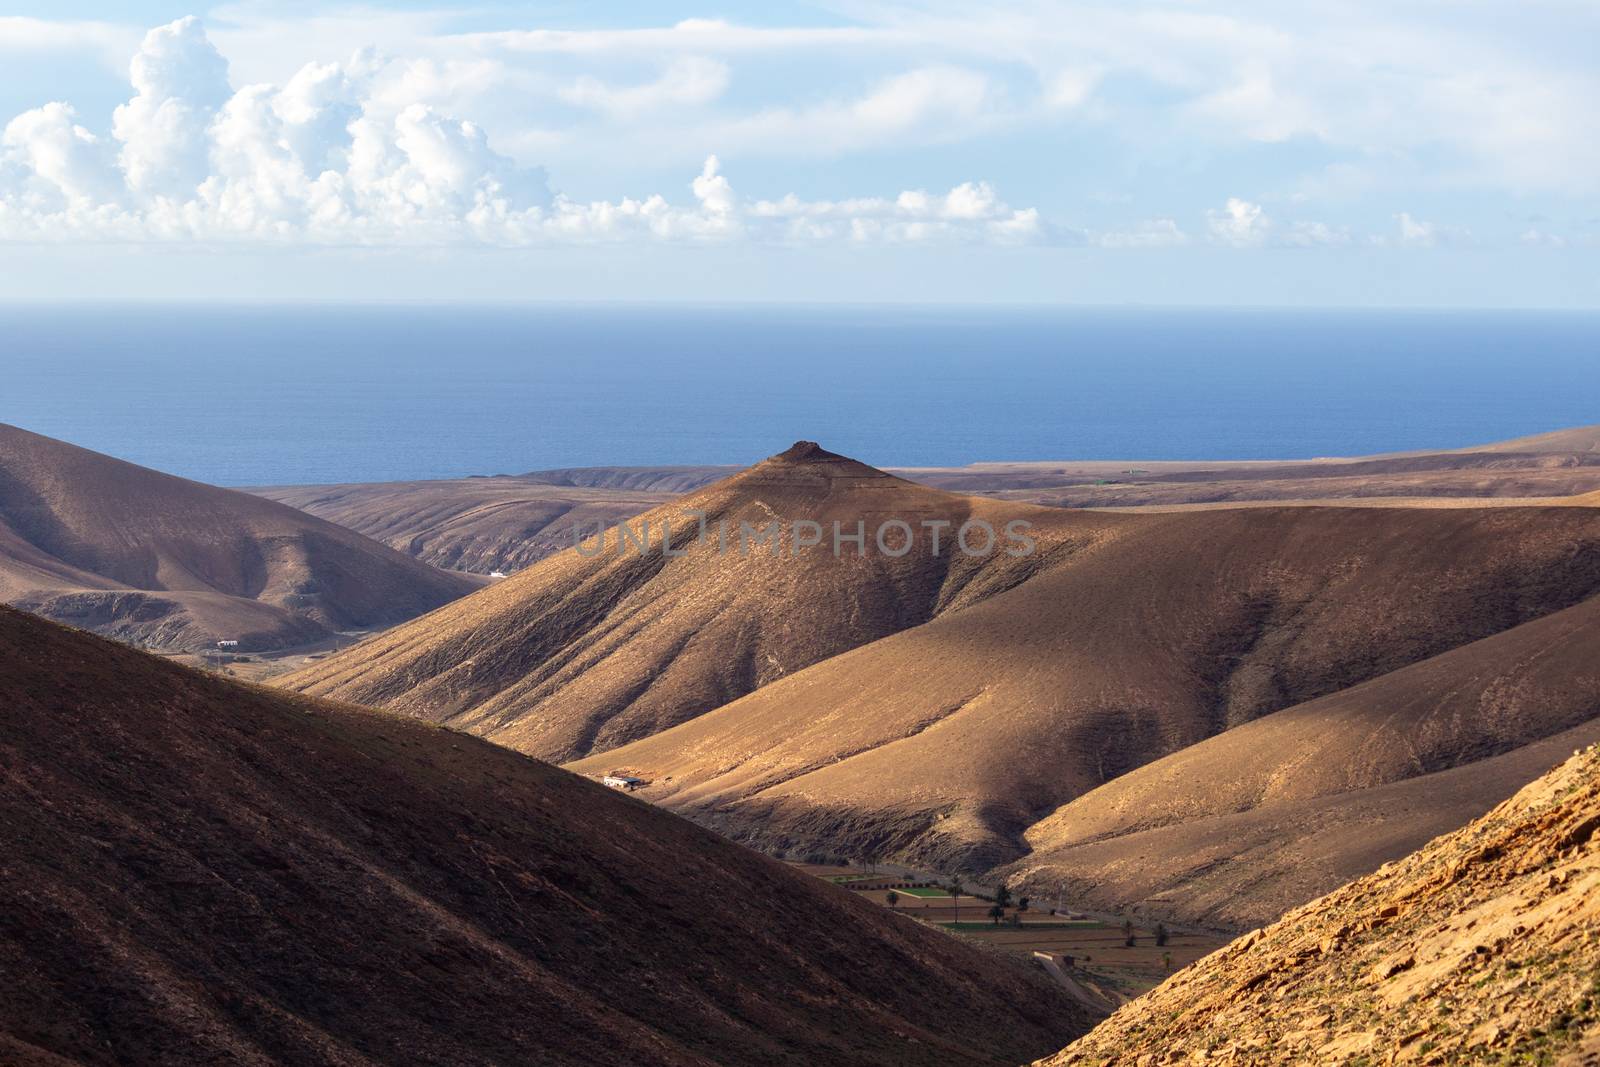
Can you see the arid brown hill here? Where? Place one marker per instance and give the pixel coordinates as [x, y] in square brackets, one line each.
[946, 743]
[194, 871]
[1345, 782]
[1550, 465]
[673, 480]
[1577, 442]
[582, 653]
[1482, 947]
[507, 522]
[479, 525]
[960, 708]
[500, 523]
[173, 564]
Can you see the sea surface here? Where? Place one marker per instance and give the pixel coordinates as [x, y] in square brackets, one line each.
[271, 395]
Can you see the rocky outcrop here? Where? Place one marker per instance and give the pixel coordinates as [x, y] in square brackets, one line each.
[1481, 947]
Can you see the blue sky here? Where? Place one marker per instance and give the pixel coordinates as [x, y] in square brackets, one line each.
[1361, 153]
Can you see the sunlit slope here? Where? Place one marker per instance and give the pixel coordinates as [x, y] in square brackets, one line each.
[1577, 440]
[581, 653]
[1481, 947]
[945, 743]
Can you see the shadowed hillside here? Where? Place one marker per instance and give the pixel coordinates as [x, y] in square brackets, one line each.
[1480, 700]
[583, 653]
[1482, 947]
[173, 564]
[1238, 828]
[196, 871]
[1238, 870]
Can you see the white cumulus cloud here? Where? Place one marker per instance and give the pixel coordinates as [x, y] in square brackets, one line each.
[1415, 233]
[970, 211]
[340, 154]
[53, 156]
[179, 82]
[1239, 224]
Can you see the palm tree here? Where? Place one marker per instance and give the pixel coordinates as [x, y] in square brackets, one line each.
[954, 889]
[892, 897]
[1002, 896]
[997, 913]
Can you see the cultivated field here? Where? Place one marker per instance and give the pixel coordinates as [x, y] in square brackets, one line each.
[1096, 943]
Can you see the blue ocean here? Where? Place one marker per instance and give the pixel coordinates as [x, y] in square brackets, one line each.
[263, 395]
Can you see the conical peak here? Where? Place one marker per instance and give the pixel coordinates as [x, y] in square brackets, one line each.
[806, 452]
[806, 462]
